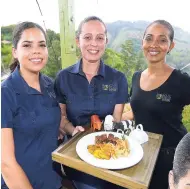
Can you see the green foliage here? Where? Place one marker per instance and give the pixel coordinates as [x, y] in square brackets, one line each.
[186, 117]
[6, 56]
[6, 32]
[127, 61]
[54, 50]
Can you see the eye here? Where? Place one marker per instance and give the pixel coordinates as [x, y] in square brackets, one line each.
[87, 38]
[26, 45]
[42, 45]
[100, 38]
[163, 40]
[148, 38]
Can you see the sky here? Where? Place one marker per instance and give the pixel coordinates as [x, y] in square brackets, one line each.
[176, 12]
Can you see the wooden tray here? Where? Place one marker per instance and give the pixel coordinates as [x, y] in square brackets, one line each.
[136, 177]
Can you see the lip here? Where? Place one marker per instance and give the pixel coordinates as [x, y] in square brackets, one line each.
[36, 60]
[93, 51]
[153, 53]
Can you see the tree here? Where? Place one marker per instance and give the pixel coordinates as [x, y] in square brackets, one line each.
[186, 117]
[54, 50]
[6, 56]
[133, 60]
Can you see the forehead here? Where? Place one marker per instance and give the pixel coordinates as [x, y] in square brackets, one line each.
[32, 34]
[158, 30]
[93, 26]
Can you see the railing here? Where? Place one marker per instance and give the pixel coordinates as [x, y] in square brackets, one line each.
[185, 66]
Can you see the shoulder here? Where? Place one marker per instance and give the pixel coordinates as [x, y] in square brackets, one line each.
[180, 77]
[7, 84]
[47, 80]
[8, 93]
[66, 71]
[113, 72]
[137, 74]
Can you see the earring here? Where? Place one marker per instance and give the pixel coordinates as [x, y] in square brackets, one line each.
[168, 52]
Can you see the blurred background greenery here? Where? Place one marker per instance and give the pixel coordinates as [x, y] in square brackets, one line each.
[124, 55]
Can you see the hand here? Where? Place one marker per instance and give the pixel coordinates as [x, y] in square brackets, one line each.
[61, 133]
[127, 115]
[78, 129]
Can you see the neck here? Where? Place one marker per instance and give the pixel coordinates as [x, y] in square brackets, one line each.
[90, 68]
[31, 78]
[157, 68]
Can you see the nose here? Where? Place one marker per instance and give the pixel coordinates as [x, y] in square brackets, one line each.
[93, 42]
[155, 43]
[36, 50]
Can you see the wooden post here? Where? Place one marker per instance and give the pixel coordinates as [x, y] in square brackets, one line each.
[67, 32]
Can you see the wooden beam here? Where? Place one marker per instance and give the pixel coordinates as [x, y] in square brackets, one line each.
[67, 32]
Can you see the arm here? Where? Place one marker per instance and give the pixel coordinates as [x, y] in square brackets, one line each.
[121, 98]
[12, 173]
[128, 114]
[66, 126]
[118, 110]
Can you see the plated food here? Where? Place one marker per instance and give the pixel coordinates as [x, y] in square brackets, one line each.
[120, 158]
[108, 146]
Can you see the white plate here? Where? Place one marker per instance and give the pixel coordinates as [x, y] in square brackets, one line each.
[136, 153]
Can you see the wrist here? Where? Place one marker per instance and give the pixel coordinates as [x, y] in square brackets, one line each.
[69, 128]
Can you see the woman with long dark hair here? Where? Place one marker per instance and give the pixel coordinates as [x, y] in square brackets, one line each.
[30, 115]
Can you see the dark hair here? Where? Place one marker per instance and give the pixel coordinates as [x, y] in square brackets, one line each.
[87, 19]
[17, 33]
[181, 164]
[165, 24]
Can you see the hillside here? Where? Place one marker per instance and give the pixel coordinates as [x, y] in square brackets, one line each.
[120, 31]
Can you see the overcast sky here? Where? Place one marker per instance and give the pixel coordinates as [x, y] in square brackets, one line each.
[176, 12]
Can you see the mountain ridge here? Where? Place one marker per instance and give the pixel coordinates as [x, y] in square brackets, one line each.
[120, 31]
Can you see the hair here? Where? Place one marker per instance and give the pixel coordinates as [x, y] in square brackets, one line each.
[16, 36]
[181, 164]
[165, 24]
[87, 19]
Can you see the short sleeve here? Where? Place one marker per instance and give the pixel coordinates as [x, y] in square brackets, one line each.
[185, 88]
[61, 98]
[8, 107]
[122, 96]
[134, 78]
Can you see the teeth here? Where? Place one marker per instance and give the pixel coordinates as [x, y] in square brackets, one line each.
[36, 60]
[153, 53]
[93, 51]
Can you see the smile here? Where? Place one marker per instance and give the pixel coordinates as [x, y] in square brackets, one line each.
[93, 51]
[153, 53]
[36, 60]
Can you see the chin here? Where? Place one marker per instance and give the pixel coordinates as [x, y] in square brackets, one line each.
[37, 68]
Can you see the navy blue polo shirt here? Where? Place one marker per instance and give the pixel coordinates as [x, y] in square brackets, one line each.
[83, 99]
[34, 117]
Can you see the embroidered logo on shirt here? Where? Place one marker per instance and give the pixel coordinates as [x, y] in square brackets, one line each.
[105, 87]
[163, 97]
[110, 87]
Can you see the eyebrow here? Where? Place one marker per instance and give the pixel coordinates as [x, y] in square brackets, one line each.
[91, 33]
[31, 41]
[159, 35]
